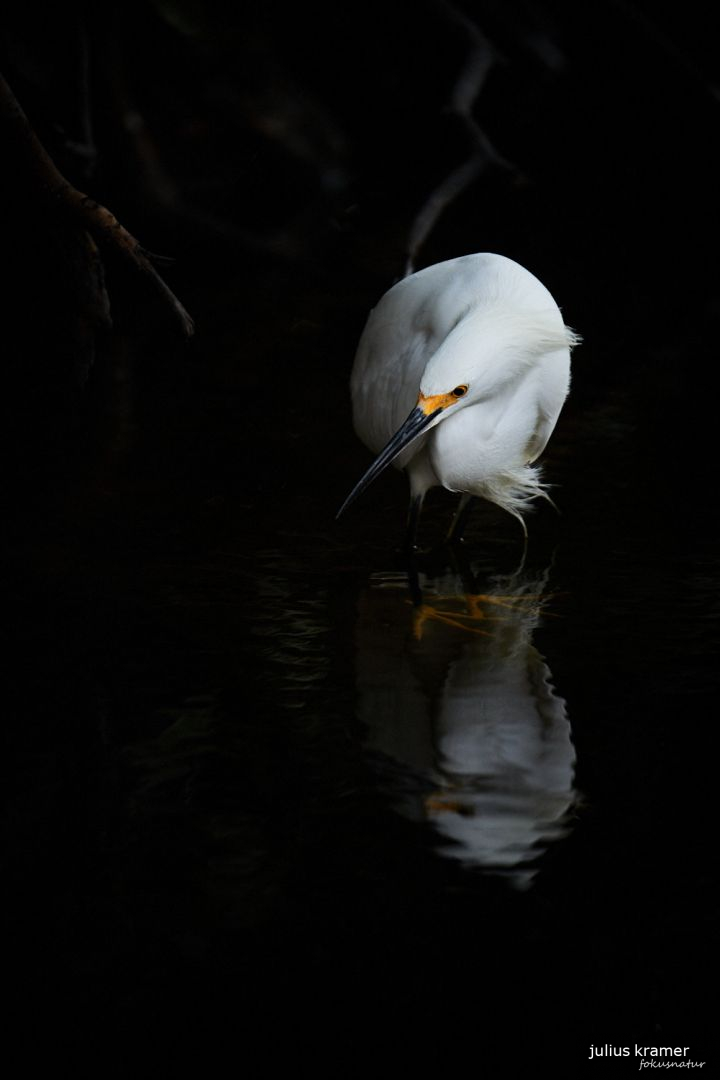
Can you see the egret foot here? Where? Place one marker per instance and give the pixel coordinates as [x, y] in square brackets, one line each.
[443, 802]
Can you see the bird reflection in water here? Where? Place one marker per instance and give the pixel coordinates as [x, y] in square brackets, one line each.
[462, 718]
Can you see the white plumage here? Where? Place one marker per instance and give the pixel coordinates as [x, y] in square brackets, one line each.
[459, 378]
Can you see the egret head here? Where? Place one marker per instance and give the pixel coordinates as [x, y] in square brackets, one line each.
[435, 404]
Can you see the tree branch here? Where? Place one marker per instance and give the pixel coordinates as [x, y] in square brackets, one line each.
[466, 90]
[51, 186]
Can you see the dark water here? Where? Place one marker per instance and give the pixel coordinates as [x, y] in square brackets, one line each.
[258, 798]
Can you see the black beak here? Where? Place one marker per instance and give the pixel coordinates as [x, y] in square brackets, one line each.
[416, 423]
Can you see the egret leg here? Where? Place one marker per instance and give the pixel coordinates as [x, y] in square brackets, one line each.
[521, 565]
[411, 529]
[460, 519]
[463, 570]
[413, 520]
[414, 588]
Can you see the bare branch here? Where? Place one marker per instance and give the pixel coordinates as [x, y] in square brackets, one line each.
[444, 194]
[51, 186]
[466, 90]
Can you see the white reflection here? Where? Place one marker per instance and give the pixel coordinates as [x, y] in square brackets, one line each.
[461, 712]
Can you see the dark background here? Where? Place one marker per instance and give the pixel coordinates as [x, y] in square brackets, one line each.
[188, 862]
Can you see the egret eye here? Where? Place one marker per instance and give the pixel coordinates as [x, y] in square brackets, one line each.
[460, 391]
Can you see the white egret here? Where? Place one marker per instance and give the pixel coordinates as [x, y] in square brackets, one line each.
[459, 378]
